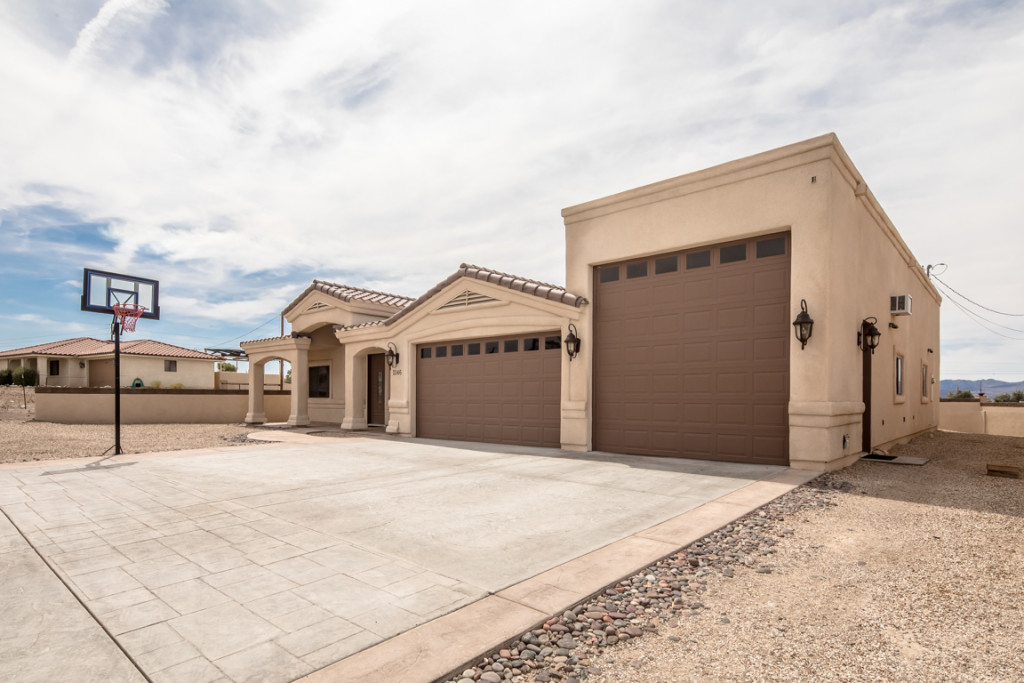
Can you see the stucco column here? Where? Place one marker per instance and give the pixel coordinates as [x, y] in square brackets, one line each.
[255, 414]
[355, 389]
[300, 389]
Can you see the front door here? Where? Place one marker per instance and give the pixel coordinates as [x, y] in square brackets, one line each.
[375, 369]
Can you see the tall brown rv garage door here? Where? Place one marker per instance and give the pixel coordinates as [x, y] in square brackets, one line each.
[691, 353]
[495, 389]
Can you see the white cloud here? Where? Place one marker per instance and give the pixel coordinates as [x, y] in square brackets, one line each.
[385, 144]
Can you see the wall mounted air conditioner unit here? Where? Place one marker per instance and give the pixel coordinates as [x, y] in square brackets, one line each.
[900, 304]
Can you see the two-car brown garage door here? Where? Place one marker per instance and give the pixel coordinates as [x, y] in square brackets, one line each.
[691, 353]
[495, 389]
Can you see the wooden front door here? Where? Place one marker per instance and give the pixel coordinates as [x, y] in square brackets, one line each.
[376, 368]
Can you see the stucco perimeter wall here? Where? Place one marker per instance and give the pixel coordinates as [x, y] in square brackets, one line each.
[153, 406]
[1000, 419]
[846, 262]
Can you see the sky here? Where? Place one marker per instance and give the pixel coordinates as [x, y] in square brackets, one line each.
[236, 149]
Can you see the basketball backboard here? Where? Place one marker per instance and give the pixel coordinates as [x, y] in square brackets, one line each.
[102, 290]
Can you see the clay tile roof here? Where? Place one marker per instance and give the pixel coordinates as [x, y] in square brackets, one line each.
[513, 282]
[87, 346]
[346, 293]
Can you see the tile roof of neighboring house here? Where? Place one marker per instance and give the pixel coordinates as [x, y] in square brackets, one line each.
[87, 346]
[346, 293]
[513, 282]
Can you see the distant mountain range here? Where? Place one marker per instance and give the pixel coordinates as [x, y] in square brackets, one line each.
[991, 387]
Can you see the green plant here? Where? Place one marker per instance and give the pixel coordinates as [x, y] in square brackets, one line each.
[25, 377]
[177, 385]
[156, 384]
[225, 366]
[1015, 397]
[960, 393]
[6, 377]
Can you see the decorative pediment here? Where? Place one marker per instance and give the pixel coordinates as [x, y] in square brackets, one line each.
[316, 306]
[468, 298]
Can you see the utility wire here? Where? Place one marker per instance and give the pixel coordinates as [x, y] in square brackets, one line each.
[977, 320]
[990, 310]
[223, 343]
[978, 315]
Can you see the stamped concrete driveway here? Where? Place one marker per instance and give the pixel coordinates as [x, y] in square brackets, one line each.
[271, 562]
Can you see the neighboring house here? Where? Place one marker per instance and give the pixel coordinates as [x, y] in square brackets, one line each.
[685, 295]
[88, 362]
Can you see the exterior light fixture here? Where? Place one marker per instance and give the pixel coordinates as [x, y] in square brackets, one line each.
[803, 325]
[572, 342]
[869, 335]
[391, 357]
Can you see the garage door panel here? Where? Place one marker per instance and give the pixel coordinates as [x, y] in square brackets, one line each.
[734, 285]
[505, 394]
[695, 362]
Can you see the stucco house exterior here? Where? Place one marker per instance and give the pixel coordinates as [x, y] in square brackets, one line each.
[683, 296]
[88, 362]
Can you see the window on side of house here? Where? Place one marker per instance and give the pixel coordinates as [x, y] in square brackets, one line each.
[320, 381]
[924, 381]
[54, 367]
[899, 375]
[170, 366]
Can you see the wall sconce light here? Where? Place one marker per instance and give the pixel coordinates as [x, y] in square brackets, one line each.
[81, 364]
[803, 325]
[391, 357]
[572, 343]
[931, 351]
[869, 335]
[893, 326]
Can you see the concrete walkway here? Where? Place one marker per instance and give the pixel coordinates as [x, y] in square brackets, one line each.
[338, 559]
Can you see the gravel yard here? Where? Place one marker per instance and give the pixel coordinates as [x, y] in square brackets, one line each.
[879, 572]
[22, 440]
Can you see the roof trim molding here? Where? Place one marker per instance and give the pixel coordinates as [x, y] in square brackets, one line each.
[515, 283]
[349, 294]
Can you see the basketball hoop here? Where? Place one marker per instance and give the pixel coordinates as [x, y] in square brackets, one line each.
[128, 315]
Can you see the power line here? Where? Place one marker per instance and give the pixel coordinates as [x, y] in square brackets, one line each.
[223, 343]
[990, 310]
[977, 318]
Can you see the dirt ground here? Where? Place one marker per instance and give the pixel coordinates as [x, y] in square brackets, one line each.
[916, 574]
[23, 440]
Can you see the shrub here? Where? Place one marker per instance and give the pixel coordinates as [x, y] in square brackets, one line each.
[960, 393]
[1015, 397]
[6, 377]
[25, 377]
[225, 366]
[156, 384]
[177, 385]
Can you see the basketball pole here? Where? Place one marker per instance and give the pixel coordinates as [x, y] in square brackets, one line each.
[117, 386]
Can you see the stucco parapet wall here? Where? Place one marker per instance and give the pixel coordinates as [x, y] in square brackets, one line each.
[515, 283]
[821, 148]
[350, 294]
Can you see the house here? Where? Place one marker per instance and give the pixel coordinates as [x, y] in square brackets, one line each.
[676, 334]
[88, 362]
